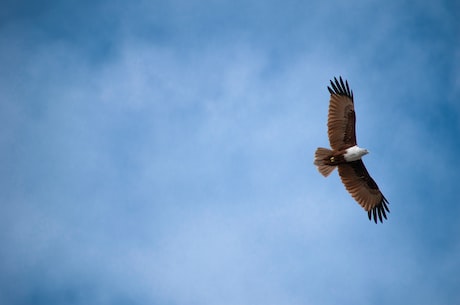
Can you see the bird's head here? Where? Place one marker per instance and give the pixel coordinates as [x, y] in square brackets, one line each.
[362, 151]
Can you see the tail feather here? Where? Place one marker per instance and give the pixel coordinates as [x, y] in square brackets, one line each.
[321, 154]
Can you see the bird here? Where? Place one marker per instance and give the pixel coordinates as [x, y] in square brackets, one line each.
[346, 155]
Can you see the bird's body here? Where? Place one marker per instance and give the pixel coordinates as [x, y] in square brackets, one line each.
[346, 154]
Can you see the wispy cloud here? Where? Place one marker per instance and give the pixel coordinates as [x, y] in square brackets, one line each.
[171, 161]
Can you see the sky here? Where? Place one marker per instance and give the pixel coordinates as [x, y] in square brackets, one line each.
[161, 152]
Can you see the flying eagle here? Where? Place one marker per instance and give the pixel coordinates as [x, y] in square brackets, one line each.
[346, 154]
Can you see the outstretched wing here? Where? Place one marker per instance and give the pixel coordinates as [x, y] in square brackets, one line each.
[341, 119]
[364, 190]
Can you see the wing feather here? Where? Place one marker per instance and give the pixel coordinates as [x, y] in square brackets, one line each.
[341, 118]
[363, 189]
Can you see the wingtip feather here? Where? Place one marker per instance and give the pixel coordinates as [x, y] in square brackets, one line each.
[380, 211]
[340, 87]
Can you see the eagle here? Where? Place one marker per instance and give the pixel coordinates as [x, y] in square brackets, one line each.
[346, 154]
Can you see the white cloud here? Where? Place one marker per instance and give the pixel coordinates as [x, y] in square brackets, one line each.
[179, 173]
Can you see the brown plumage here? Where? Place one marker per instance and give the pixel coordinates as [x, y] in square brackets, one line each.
[346, 155]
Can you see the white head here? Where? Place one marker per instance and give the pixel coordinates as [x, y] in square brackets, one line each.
[355, 153]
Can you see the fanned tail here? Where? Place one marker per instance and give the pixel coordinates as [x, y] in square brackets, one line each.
[320, 155]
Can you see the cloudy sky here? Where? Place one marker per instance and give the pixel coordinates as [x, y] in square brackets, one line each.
[160, 152]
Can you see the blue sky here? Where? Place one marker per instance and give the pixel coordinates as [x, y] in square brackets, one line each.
[160, 152]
